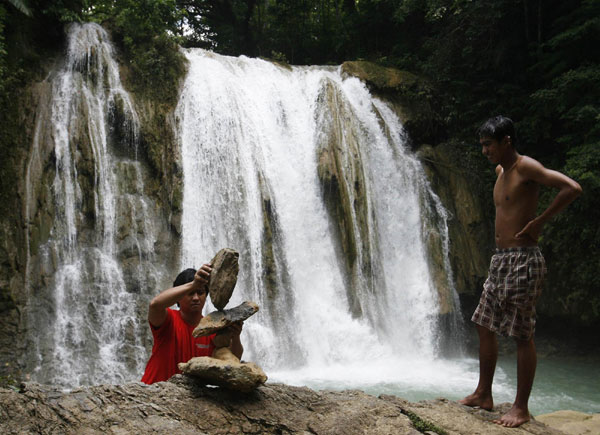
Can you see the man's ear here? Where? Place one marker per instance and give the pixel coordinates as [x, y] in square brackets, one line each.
[507, 140]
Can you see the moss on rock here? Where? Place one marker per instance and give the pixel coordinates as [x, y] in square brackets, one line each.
[413, 98]
[470, 226]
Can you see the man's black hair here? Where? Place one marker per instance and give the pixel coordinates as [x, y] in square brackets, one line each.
[498, 127]
[184, 277]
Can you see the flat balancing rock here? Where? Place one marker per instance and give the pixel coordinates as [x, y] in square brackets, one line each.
[218, 320]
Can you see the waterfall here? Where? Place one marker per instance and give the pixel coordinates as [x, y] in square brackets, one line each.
[84, 317]
[300, 169]
[308, 176]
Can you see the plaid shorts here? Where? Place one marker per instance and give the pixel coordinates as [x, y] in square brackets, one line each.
[507, 303]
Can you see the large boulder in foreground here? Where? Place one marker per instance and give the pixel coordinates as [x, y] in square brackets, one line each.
[182, 406]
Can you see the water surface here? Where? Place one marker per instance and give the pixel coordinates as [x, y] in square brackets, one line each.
[560, 383]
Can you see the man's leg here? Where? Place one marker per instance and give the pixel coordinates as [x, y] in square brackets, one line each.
[526, 364]
[488, 355]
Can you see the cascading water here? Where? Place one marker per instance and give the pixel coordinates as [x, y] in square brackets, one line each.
[86, 321]
[258, 141]
[302, 171]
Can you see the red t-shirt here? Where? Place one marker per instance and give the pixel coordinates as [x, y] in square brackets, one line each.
[174, 343]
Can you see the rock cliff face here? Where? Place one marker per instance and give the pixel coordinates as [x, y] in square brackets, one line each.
[122, 193]
[341, 174]
[470, 229]
[411, 96]
[13, 251]
[181, 406]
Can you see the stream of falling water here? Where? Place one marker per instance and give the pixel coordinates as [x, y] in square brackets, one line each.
[250, 131]
[86, 324]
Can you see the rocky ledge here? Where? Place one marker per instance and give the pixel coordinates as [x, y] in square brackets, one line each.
[182, 406]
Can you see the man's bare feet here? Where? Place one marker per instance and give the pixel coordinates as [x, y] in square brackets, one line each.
[514, 417]
[482, 401]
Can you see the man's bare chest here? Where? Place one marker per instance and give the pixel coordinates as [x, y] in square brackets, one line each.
[511, 190]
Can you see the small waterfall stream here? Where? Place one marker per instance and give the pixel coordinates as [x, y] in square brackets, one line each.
[86, 322]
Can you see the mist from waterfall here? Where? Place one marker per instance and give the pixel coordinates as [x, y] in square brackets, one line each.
[85, 323]
[251, 135]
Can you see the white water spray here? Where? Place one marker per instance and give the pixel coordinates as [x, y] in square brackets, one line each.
[252, 132]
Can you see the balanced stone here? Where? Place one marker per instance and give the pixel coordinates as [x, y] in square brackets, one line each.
[218, 320]
[229, 374]
[224, 354]
[223, 277]
[222, 339]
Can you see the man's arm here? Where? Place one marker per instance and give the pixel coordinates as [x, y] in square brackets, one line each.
[157, 311]
[568, 190]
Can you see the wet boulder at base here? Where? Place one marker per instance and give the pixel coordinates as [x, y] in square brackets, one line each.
[223, 277]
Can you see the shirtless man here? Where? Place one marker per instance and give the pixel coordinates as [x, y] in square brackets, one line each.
[517, 269]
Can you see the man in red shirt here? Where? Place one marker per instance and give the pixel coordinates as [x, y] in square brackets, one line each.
[172, 329]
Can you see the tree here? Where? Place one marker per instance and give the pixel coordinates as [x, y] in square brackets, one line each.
[21, 6]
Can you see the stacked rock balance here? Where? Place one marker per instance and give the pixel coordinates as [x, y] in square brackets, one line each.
[224, 368]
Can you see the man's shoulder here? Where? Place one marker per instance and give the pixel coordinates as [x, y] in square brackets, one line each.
[528, 166]
[526, 161]
[169, 320]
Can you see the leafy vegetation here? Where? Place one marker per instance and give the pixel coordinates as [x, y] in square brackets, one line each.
[535, 61]
[145, 31]
[422, 425]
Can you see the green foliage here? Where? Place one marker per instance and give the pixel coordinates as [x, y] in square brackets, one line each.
[156, 68]
[571, 241]
[304, 32]
[64, 11]
[422, 425]
[9, 382]
[141, 20]
[572, 100]
[145, 30]
[21, 6]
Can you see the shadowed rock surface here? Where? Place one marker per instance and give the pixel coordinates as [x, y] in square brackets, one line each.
[184, 406]
[223, 277]
[218, 320]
